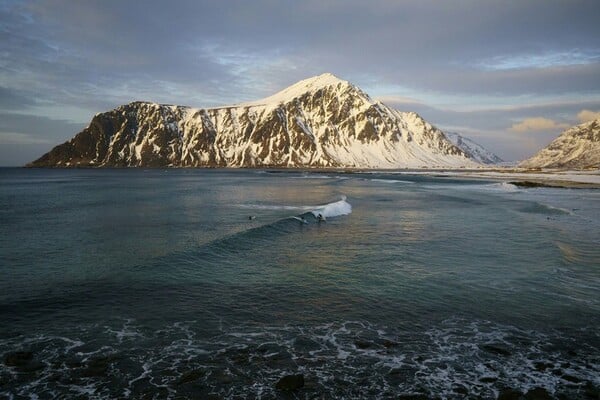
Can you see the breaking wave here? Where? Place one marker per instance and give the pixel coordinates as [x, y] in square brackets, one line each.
[329, 210]
[506, 187]
[336, 209]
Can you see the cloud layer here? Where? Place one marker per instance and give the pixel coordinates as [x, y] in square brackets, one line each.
[478, 66]
[587, 115]
[537, 124]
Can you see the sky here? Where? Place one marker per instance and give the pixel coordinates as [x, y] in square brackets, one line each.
[509, 74]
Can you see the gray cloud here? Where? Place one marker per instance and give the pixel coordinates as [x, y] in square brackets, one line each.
[11, 99]
[24, 138]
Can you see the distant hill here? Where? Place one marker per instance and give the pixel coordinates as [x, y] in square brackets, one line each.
[577, 147]
[474, 150]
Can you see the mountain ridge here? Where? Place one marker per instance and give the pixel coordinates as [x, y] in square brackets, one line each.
[321, 121]
[577, 147]
[477, 152]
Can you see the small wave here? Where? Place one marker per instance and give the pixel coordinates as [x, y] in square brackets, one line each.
[391, 181]
[314, 176]
[334, 209]
[304, 221]
[254, 236]
[506, 187]
[274, 207]
[541, 208]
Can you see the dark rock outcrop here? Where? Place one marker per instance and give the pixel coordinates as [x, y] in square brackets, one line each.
[290, 382]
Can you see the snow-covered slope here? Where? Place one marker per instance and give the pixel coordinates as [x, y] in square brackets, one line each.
[318, 122]
[577, 147]
[474, 150]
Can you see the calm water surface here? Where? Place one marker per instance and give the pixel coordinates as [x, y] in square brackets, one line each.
[200, 284]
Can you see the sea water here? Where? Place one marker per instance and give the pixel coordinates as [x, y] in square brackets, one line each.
[191, 283]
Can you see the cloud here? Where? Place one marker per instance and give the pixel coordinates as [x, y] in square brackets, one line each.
[24, 138]
[397, 99]
[15, 100]
[537, 124]
[18, 128]
[587, 115]
[542, 60]
[21, 138]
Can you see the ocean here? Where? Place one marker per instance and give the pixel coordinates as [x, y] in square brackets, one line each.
[198, 283]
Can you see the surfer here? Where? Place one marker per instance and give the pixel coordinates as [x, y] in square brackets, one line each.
[252, 217]
[321, 218]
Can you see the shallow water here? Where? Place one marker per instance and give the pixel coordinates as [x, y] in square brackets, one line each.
[170, 283]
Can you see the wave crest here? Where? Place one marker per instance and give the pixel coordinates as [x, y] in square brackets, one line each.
[335, 209]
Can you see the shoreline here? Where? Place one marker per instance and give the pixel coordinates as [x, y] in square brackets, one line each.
[522, 177]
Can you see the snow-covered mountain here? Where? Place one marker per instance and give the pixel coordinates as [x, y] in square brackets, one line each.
[577, 147]
[474, 150]
[318, 122]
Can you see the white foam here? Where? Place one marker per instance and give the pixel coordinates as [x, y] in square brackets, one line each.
[440, 359]
[126, 332]
[147, 369]
[336, 209]
[506, 187]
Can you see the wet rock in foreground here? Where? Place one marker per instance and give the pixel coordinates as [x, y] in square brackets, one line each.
[495, 348]
[98, 367]
[191, 376]
[290, 382]
[538, 394]
[23, 361]
[510, 394]
[362, 344]
[413, 397]
[18, 358]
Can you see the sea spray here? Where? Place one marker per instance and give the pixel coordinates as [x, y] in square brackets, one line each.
[336, 209]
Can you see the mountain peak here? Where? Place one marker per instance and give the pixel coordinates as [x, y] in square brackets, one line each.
[312, 84]
[320, 81]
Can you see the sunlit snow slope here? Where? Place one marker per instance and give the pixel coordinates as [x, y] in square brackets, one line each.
[318, 122]
[577, 147]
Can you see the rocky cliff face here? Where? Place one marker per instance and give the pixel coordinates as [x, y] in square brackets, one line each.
[577, 148]
[319, 122]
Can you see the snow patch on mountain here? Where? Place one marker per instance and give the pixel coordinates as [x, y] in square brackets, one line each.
[298, 89]
[474, 150]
